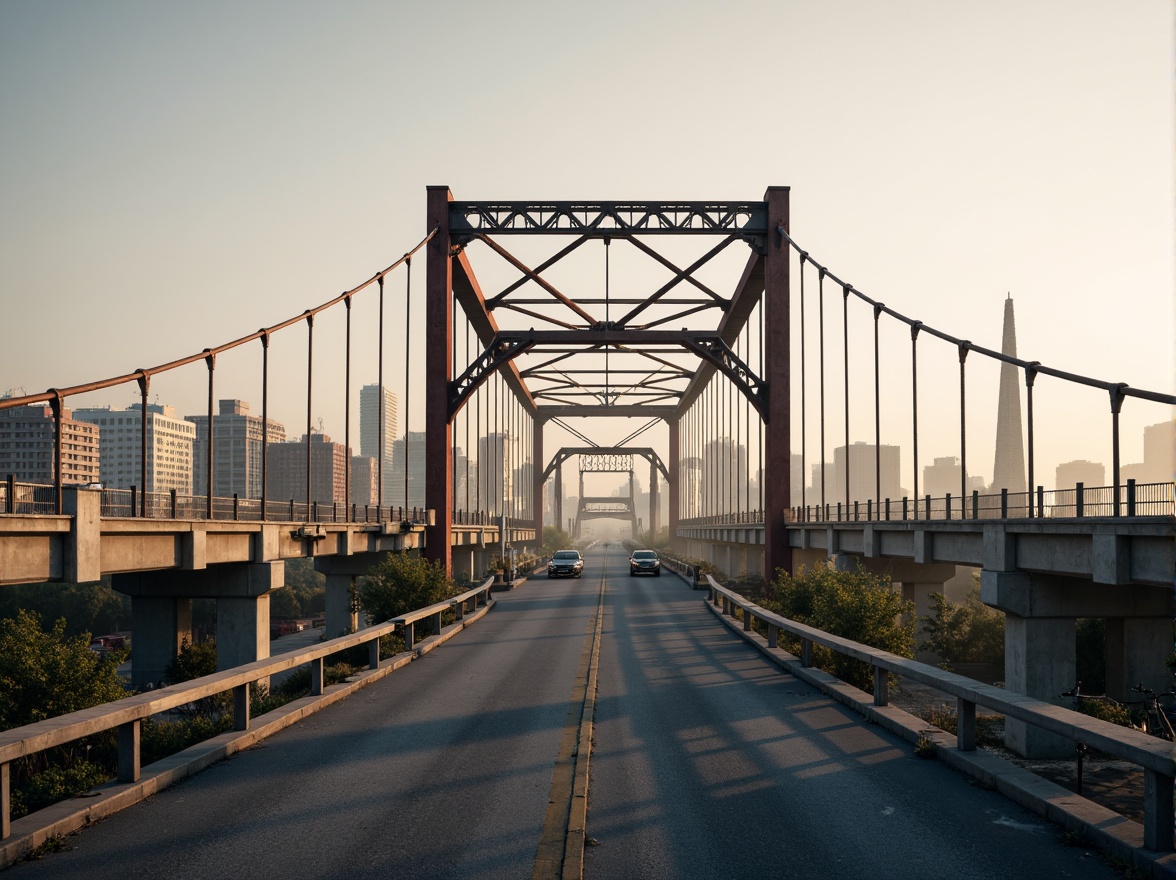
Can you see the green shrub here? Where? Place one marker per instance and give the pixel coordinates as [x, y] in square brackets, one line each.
[855, 605]
[403, 583]
[970, 632]
[55, 784]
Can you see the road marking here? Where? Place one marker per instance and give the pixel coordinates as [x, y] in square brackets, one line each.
[561, 845]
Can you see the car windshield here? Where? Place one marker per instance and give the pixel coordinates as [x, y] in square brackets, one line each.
[644, 554]
[567, 554]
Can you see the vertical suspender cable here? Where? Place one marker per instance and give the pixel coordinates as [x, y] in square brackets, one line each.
[759, 421]
[803, 411]
[845, 361]
[877, 419]
[964, 346]
[1030, 376]
[309, 395]
[915, 327]
[210, 359]
[466, 414]
[382, 408]
[821, 330]
[265, 429]
[347, 418]
[407, 368]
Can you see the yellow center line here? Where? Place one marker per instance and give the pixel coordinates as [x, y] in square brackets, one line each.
[561, 845]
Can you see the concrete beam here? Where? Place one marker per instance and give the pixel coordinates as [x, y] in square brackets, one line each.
[236, 579]
[1031, 595]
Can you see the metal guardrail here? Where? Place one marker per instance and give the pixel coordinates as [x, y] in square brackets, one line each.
[1135, 499]
[1143, 499]
[126, 715]
[1152, 755]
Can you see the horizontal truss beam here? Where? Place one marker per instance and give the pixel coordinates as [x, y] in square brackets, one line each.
[608, 219]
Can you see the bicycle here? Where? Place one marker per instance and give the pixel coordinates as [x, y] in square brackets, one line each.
[1155, 719]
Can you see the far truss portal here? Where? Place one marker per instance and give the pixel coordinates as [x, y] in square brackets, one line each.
[566, 334]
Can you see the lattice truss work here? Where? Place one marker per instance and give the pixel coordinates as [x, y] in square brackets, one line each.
[641, 305]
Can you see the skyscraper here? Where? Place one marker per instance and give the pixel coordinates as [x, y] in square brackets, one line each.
[170, 442]
[238, 438]
[1008, 471]
[370, 441]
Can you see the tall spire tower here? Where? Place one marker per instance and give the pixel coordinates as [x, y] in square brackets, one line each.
[1008, 472]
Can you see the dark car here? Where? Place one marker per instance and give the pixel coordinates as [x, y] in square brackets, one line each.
[566, 563]
[644, 562]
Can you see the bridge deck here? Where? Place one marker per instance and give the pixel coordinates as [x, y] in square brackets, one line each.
[707, 762]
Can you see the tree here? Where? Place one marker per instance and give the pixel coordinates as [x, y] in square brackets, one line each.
[555, 538]
[46, 673]
[402, 583]
[969, 632]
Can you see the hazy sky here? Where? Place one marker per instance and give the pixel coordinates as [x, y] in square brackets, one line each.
[174, 176]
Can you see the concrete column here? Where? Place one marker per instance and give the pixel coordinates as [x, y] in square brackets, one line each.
[1040, 663]
[242, 631]
[341, 615]
[159, 626]
[1135, 652]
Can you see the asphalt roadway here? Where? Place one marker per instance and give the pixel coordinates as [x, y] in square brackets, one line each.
[706, 762]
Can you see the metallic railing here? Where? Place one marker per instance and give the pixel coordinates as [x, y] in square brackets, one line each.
[1146, 499]
[32, 499]
[1142, 499]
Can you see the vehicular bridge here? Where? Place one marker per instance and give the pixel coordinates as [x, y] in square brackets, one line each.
[564, 334]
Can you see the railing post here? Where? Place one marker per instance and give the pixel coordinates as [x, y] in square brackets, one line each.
[374, 654]
[806, 652]
[947, 504]
[881, 686]
[1079, 498]
[128, 751]
[135, 502]
[773, 635]
[1157, 811]
[904, 507]
[1004, 503]
[236, 507]
[975, 504]
[316, 677]
[175, 504]
[746, 620]
[1040, 501]
[1131, 497]
[926, 507]
[5, 801]
[888, 510]
[965, 725]
[10, 499]
[241, 707]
